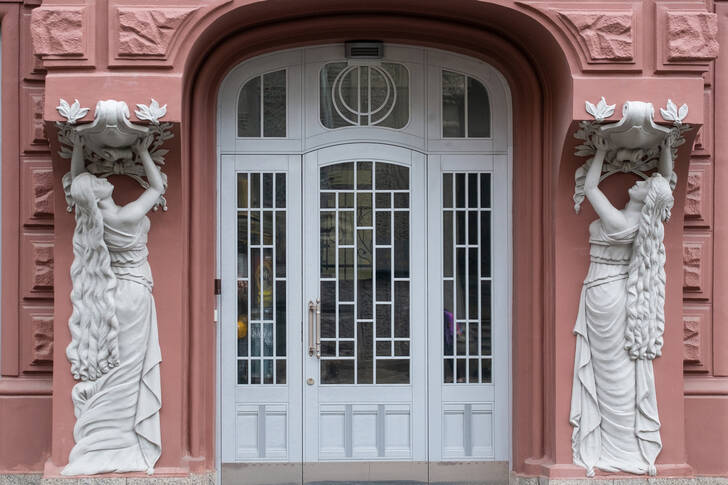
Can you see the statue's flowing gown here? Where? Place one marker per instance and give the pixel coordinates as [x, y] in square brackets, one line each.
[117, 416]
[613, 402]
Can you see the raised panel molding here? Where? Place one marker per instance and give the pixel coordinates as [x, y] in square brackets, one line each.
[37, 192]
[697, 266]
[36, 268]
[32, 129]
[36, 339]
[607, 38]
[699, 194]
[697, 338]
[687, 37]
[61, 33]
[139, 34]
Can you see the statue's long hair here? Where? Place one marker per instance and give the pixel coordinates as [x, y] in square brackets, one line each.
[94, 347]
[646, 282]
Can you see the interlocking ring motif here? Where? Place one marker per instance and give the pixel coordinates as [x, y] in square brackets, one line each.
[375, 114]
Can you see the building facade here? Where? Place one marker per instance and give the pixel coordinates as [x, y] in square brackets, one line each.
[366, 263]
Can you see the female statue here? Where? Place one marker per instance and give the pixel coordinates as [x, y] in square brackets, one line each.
[114, 351]
[620, 325]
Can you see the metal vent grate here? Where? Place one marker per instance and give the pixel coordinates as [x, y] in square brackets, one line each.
[364, 49]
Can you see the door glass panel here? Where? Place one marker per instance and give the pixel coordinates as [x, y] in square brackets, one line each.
[365, 260]
[263, 100]
[465, 107]
[466, 282]
[261, 285]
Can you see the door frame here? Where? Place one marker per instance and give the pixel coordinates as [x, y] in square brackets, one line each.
[494, 78]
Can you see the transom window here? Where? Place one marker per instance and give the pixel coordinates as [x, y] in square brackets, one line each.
[465, 107]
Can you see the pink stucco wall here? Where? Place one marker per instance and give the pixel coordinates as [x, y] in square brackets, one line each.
[555, 55]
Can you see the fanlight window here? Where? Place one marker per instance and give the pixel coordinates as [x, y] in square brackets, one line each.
[465, 107]
[364, 95]
[262, 106]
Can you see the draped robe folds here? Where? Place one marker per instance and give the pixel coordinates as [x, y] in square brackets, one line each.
[117, 415]
[613, 401]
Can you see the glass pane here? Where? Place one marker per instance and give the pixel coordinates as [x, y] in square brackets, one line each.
[473, 228]
[401, 200]
[267, 190]
[485, 190]
[401, 244]
[384, 349]
[473, 283]
[255, 190]
[448, 318]
[485, 244]
[346, 274]
[243, 244]
[399, 108]
[328, 244]
[460, 373]
[242, 371]
[485, 319]
[384, 274]
[460, 338]
[280, 244]
[346, 200]
[249, 109]
[364, 357]
[280, 371]
[453, 104]
[447, 245]
[473, 338]
[255, 339]
[389, 176]
[328, 200]
[364, 274]
[255, 371]
[401, 309]
[268, 340]
[448, 371]
[447, 190]
[346, 227]
[329, 115]
[346, 349]
[255, 228]
[384, 320]
[401, 349]
[363, 210]
[460, 227]
[473, 368]
[486, 371]
[339, 176]
[460, 190]
[337, 371]
[268, 371]
[460, 282]
[268, 228]
[383, 201]
[242, 190]
[346, 321]
[280, 318]
[281, 190]
[393, 371]
[255, 285]
[364, 175]
[364, 88]
[328, 348]
[274, 104]
[478, 110]
[472, 190]
[242, 319]
[267, 276]
[328, 309]
[384, 226]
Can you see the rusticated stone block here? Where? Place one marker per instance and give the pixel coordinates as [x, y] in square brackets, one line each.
[33, 136]
[697, 265]
[607, 36]
[42, 339]
[58, 31]
[691, 338]
[148, 31]
[42, 193]
[692, 36]
[37, 192]
[36, 334]
[36, 269]
[692, 266]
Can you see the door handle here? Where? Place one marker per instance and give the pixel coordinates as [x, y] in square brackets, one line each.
[311, 330]
[318, 328]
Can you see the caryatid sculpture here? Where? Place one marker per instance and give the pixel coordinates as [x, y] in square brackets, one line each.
[621, 319]
[114, 350]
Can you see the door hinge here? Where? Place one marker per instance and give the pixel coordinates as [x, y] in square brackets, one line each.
[218, 286]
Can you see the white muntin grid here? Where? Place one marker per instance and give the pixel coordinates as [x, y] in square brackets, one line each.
[467, 277]
[345, 212]
[262, 216]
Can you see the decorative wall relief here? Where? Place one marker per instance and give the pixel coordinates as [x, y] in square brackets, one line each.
[620, 321]
[607, 36]
[114, 350]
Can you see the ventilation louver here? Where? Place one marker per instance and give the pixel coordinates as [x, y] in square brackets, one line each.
[364, 49]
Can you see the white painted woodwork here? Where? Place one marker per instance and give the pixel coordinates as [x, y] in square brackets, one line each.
[425, 420]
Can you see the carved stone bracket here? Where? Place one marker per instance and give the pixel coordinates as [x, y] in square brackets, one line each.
[109, 138]
[634, 142]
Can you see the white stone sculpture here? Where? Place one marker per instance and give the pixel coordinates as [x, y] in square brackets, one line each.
[114, 350]
[620, 322]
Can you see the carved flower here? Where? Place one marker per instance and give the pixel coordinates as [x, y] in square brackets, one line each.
[72, 112]
[601, 111]
[673, 114]
[152, 112]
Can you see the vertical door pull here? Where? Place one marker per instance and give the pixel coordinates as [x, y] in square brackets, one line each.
[318, 328]
[311, 329]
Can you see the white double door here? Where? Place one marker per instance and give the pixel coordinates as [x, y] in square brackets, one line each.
[324, 311]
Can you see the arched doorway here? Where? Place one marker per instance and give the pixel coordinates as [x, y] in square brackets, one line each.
[364, 242]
